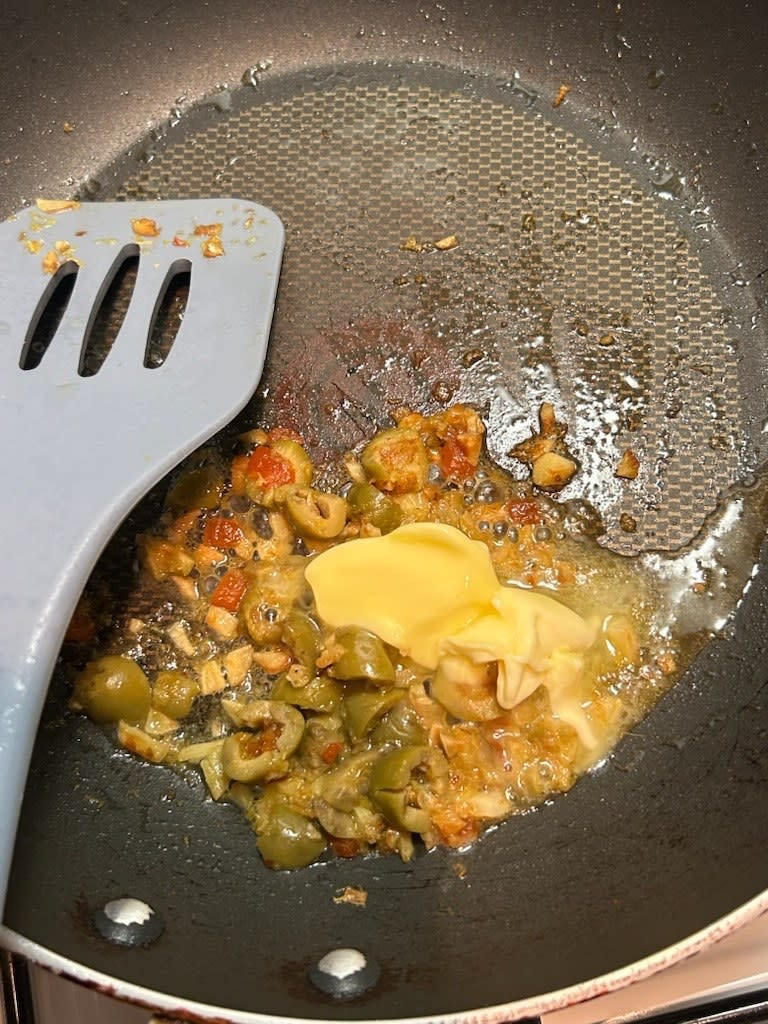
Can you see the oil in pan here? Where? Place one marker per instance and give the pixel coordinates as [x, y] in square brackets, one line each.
[447, 242]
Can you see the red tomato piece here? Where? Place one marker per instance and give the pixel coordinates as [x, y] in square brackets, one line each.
[269, 468]
[454, 464]
[230, 590]
[522, 511]
[331, 752]
[221, 532]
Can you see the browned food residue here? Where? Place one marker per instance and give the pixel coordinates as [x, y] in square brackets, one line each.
[560, 95]
[449, 242]
[212, 247]
[145, 227]
[351, 894]
[629, 465]
[56, 205]
[546, 453]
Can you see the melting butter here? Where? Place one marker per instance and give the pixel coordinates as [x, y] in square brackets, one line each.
[432, 592]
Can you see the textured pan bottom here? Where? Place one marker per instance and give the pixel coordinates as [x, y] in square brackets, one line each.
[568, 283]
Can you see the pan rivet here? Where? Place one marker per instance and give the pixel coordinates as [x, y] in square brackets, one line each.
[128, 922]
[344, 973]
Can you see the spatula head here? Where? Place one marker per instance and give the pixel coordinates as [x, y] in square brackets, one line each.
[81, 447]
[230, 250]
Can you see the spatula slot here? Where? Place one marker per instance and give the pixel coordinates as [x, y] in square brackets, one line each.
[111, 312]
[169, 313]
[47, 316]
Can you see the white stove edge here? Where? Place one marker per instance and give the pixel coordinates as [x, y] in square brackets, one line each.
[734, 966]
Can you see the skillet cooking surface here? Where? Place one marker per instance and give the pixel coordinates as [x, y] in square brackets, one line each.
[559, 249]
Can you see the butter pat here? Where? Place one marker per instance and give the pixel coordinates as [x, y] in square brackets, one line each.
[431, 591]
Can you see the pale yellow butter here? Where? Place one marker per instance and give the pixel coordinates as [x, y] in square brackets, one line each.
[430, 591]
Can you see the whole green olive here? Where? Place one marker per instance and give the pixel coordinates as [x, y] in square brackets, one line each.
[113, 688]
[290, 840]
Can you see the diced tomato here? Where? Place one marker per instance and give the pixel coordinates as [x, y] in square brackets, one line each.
[285, 433]
[221, 532]
[269, 468]
[256, 743]
[230, 590]
[331, 752]
[454, 464]
[522, 511]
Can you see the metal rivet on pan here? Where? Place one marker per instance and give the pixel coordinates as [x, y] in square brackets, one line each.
[344, 973]
[128, 922]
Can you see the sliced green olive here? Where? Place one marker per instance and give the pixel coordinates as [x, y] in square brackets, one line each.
[112, 688]
[362, 822]
[396, 461]
[316, 514]
[320, 693]
[465, 689]
[293, 452]
[198, 488]
[304, 637]
[213, 772]
[344, 786]
[364, 708]
[323, 732]
[341, 804]
[364, 657]
[276, 588]
[262, 753]
[401, 725]
[174, 693]
[391, 785]
[291, 841]
[375, 508]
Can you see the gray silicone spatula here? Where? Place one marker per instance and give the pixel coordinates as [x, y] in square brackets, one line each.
[78, 451]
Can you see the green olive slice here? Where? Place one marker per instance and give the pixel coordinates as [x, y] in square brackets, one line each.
[297, 456]
[316, 514]
[364, 708]
[319, 694]
[304, 636]
[364, 657]
[465, 689]
[262, 753]
[391, 785]
[375, 508]
[396, 461]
